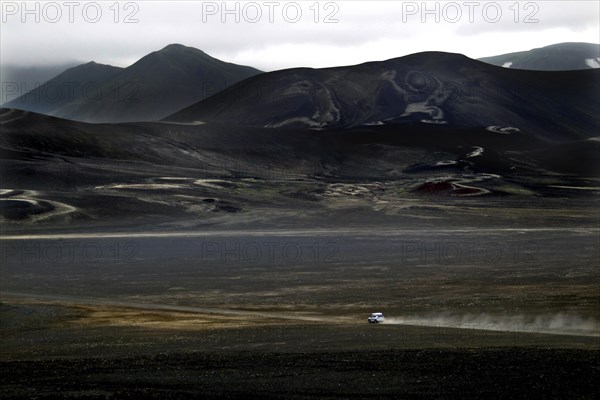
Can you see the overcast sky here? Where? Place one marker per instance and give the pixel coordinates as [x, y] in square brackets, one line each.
[272, 35]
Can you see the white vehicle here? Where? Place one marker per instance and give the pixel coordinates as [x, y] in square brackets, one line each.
[376, 318]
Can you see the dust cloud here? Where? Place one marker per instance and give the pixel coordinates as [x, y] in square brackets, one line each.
[558, 324]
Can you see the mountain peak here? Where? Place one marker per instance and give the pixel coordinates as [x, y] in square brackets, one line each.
[427, 57]
[93, 66]
[175, 46]
[179, 48]
[173, 54]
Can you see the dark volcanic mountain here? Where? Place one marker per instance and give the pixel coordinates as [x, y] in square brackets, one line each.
[75, 83]
[155, 86]
[432, 87]
[556, 57]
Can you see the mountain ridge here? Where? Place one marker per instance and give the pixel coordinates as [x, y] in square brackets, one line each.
[153, 87]
[556, 57]
[434, 87]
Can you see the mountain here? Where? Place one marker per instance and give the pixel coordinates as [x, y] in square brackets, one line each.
[398, 140]
[155, 86]
[557, 57]
[18, 80]
[431, 87]
[59, 92]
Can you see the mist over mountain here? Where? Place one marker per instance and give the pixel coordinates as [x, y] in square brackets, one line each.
[556, 57]
[18, 80]
[430, 87]
[157, 85]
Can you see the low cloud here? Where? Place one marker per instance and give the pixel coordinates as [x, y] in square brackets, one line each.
[330, 33]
